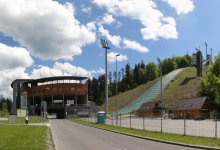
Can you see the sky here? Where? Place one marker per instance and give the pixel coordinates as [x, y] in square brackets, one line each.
[42, 38]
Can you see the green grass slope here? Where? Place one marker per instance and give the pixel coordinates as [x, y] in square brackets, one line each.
[185, 85]
[128, 97]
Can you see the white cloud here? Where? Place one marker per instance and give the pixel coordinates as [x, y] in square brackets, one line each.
[117, 40]
[13, 57]
[87, 9]
[181, 6]
[91, 26]
[59, 69]
[13, 63]
[134, 46]
[154, 22]
[65, 69]
[112, 57]
[7, 76]
[46, 28]
[107, 19]
[114, 39]
[165, 31]
[98, 71]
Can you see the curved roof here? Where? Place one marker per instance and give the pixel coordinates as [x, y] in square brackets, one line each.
[20, 81]
[42, 80]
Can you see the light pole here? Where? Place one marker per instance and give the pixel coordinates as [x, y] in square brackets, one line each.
[105, 45]
[206, 45]
[161, 83]
[211, 55]
[116, 88]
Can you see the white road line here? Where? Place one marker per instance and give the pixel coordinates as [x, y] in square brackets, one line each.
[116, 146]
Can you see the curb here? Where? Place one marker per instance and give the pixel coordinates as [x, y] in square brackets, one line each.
[156, 140]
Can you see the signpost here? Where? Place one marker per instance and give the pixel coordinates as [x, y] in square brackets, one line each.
[43, 110]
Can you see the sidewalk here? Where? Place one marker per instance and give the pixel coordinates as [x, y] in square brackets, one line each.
[30, 124]
[40, 124]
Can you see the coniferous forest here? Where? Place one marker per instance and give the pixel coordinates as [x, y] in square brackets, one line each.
[129, 78]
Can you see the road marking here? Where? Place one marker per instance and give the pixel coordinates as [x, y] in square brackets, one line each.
[116, 146]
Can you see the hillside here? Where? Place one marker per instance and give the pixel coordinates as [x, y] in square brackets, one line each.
[185, 85]
[128, 96]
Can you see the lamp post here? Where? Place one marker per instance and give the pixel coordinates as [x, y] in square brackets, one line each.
[161, 83]
[211, 55]
[105, 45]
[116, 88]
[206, 45]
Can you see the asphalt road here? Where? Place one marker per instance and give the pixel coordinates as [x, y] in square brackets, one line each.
[72, 136]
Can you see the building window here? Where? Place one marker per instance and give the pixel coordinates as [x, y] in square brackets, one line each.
[65, 89]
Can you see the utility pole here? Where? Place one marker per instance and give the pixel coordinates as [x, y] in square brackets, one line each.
[206, 45]
[105, 45]
[211, 55]
[117, 89]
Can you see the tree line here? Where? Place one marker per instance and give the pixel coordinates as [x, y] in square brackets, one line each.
[129, 78]
[5, 106]
[210, 85]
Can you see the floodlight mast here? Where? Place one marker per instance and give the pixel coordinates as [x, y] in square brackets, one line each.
[105, 45]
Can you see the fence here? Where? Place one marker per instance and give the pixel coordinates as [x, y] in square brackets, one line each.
[198, 126]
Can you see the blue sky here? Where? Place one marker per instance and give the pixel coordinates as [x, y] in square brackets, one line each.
[40, 38]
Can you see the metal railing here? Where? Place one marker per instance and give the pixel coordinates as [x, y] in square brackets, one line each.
[198, 126]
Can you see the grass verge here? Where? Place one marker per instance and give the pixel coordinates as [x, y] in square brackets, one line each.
[24, 137]
[31, 119]
[202, 141]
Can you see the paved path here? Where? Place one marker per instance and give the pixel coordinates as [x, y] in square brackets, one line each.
[72, 136]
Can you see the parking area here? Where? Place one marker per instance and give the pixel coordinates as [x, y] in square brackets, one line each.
[203, 128]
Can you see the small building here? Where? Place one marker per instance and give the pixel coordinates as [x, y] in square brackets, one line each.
[150, 109]
[191, 107]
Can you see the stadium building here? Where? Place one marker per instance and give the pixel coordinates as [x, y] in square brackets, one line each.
[63, 95]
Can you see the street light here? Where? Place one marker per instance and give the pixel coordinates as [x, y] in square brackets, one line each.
[206, 45]
[117, 88]
[211, 55]
[161, 84]
[105, 45]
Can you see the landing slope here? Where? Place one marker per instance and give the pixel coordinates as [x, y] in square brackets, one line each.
[150, 94]
[185, 85]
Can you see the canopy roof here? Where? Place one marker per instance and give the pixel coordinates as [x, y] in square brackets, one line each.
[42, 80]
